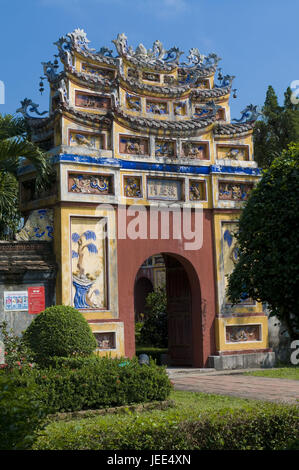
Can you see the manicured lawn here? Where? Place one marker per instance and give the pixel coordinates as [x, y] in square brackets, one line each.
[281, 373]
[161, 428]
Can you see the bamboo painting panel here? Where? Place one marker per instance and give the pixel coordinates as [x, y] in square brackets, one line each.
[88, 263]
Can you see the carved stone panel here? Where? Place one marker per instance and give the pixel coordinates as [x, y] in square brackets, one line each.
[133, 73]
[133, 145]
[105, 340]
[198, 150]
[87, 140]
[151, 77]
[169, 79]
[233, 152]
[234, 191]
[197, 190]
[220, 115]
[90, 183]
[242, 333]
[133, 186]
[165, 189]
[133, 102]
[180, 109]
[91, 101]
[156, 107]
[165, 148]
[99, 71]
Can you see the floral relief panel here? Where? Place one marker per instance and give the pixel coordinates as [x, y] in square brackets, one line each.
[88, 252]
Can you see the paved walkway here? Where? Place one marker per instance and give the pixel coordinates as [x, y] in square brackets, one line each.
[236, 384]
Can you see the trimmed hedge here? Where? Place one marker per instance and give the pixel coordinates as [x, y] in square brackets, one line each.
[22, 411]
[59, 331]
[92, 383]
[262, 427]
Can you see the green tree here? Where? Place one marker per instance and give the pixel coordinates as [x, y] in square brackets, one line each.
[15, 149]
[154, 331]
[278, 128]
[268, 239]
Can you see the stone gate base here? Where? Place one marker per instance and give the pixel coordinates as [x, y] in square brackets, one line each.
[242, 361]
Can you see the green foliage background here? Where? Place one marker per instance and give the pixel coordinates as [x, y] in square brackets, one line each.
[268, 239]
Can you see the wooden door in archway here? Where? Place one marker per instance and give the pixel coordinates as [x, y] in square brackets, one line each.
[179, 310]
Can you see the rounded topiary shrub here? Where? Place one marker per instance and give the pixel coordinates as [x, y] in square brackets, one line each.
[59, 331]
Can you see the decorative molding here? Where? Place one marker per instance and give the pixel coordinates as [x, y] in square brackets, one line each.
[144, 166]
[250, 114]
[27, 106]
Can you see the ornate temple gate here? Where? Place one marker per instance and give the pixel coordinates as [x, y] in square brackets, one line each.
[179, 311]
[144, 127]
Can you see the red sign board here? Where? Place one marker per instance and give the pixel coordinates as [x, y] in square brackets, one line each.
[36, 299]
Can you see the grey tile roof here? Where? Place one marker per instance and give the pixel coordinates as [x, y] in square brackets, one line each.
[227, 129]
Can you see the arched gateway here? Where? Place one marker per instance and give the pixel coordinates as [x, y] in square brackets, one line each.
[145, 129]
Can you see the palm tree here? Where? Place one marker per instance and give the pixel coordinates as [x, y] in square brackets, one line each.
[15, 149]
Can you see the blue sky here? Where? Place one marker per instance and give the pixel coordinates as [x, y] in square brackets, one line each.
[257, 39]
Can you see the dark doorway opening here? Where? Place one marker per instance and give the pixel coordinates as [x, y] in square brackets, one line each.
[178, 348]
[143, 286]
